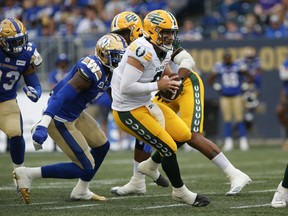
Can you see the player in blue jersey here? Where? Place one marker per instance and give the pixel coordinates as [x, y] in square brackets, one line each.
[73, 129]
[227, 77]
[252, 63]
[18, 58]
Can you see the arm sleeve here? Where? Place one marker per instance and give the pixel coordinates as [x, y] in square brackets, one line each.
[32, 80]
[67, 93]
[130, 85]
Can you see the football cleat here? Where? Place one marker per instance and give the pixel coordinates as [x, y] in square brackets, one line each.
[190, 198]
[145, 168]
[134, 186]
[77, 195]
[238, 181]
[23, 183]
[280, 198]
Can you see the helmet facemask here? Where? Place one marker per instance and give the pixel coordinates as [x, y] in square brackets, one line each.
[14, 45]
[110, 49]
[166, 39]
[161, 28]
[13, 36]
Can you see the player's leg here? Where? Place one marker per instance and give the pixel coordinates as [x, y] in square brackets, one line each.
[99, 146]
[136, 184]
[143, 126]
[11, 124]
[194, 97]
[280, 198]
[226, 110]
[238, 109]
[73, 144]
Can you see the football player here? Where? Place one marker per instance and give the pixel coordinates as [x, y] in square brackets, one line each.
[229, 75]
[19, 57]
[75, 132]
[125, 24]
[143, 69]
[280, 198]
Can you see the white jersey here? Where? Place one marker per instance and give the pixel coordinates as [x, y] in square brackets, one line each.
[143, 51]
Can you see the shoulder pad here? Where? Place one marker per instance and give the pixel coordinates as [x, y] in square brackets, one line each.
[36, 59]
[93, 70]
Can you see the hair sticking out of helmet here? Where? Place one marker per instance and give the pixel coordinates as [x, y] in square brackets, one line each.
[110, 49]
[13, 35]
[128, 25]
[159, 23]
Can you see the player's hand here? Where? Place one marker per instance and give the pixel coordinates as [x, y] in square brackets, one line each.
[39, 135]
[31, 93]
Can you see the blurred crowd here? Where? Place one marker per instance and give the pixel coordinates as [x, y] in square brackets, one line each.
[217, 19]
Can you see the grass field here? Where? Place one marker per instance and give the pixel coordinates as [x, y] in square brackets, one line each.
[265, 165]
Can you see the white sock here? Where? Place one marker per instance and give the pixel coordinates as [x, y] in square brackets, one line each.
[221, 161]
[34, 173]
[82, 185]
[152, 163]
[137, 174]
[181, 190]
[17, 165]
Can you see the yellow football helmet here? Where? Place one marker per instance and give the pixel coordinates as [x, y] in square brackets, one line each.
[155, 23]
[127, 21]
[13, 35]
[110, 49]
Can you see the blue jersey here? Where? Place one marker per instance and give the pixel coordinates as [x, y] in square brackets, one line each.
[253, 65]
[230, 78]
[100, 81]
[11, 69]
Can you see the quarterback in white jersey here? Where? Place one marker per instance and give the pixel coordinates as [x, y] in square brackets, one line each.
[143, 51]
[143, 69]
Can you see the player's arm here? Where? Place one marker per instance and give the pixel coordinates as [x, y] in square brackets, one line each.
[68, 92]
[185, 61]
[130, 80]
[33, 88]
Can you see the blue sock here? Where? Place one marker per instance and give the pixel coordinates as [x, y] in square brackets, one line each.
[17, 149]
[241, 129]
[99, 154]
[66, 171]
[227, 129]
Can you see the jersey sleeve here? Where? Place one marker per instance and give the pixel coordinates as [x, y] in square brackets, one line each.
[89, 69]
[216, 68]
[36, 58]
[140, 52]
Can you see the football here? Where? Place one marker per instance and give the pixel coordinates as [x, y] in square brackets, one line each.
[168, 95]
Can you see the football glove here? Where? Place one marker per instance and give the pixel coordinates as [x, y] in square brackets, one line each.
[39, 135]
[31, 93]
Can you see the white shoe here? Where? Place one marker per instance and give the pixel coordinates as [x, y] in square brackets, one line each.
[23, 183]
[76, 194]
[134, 186]
[243, 144]
[228, 144]
[280, 198]
[238, 181]
[146, 168]
[186, 196]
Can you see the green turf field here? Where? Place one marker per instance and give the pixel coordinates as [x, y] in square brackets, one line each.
[265, 165]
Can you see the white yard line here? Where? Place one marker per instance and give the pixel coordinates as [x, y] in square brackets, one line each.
[250, 206]
[70, 207]
[161, 206]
